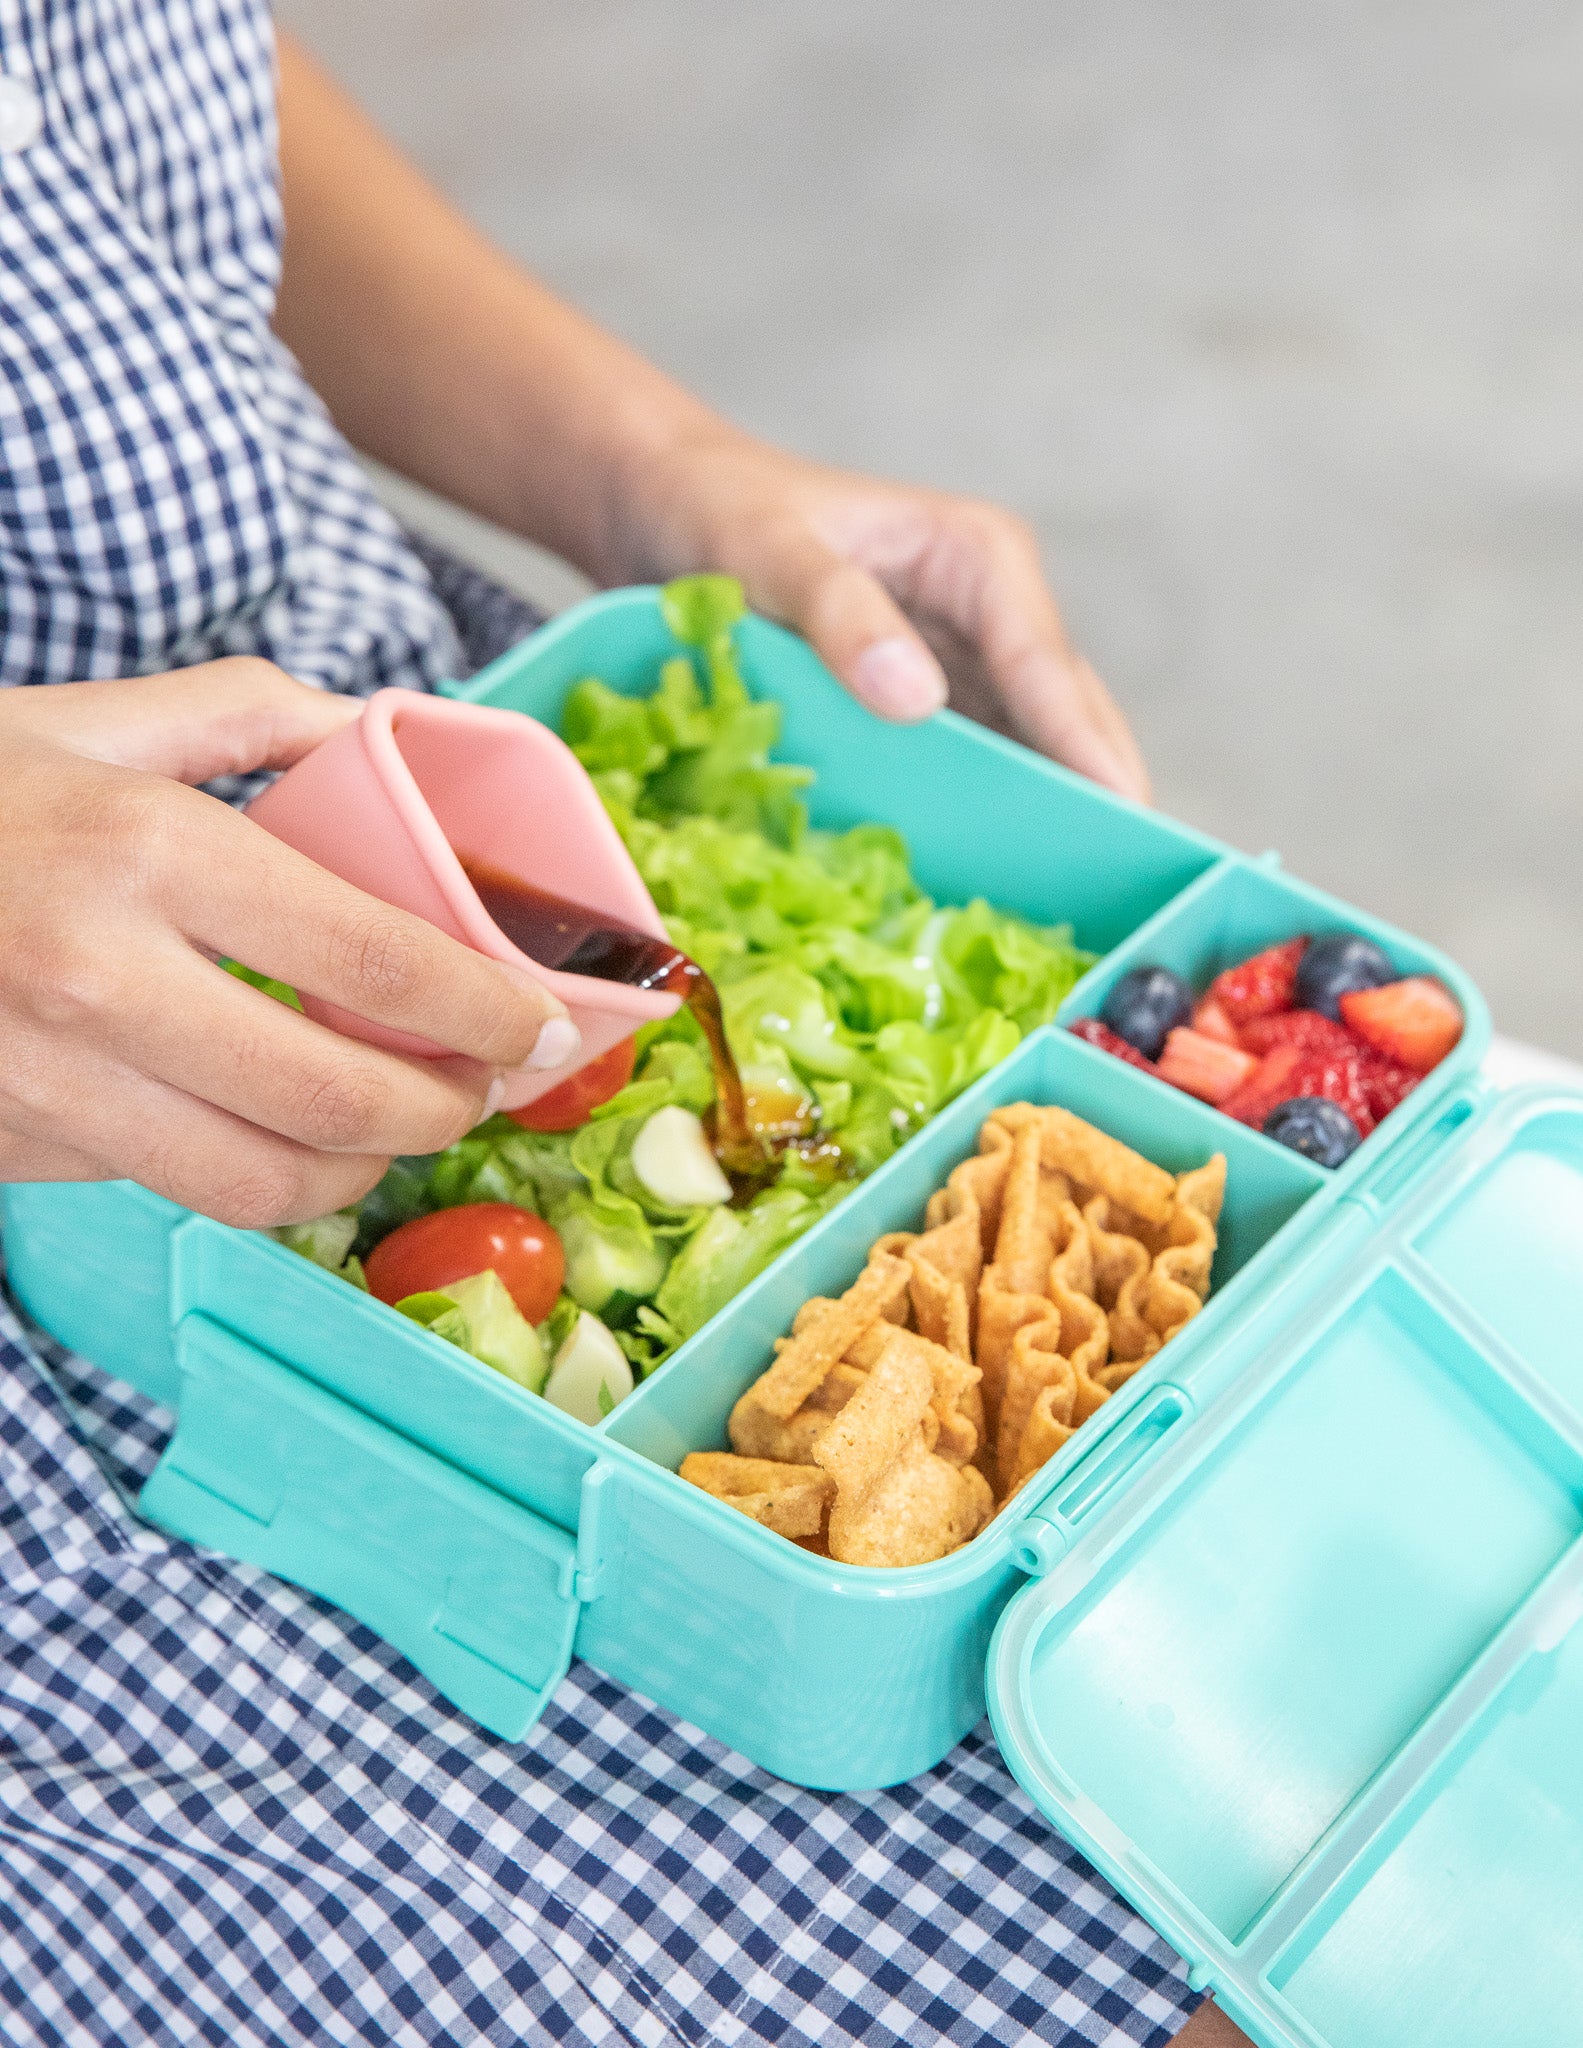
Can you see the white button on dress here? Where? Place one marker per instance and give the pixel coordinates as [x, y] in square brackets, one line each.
[21, 115]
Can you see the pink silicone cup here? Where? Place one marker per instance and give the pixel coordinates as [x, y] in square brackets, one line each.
[390, 804]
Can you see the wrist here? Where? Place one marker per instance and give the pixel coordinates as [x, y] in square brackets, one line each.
[661, 498]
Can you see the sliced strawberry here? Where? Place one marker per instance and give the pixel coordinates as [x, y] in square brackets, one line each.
[1336, 1072]
[1093, 1031]
[1386, 1082]
[1260, 986]
[1211, 1021]
[1305, 1029]
[1416, 1021]
[1268, 1084]
[1205, 1067]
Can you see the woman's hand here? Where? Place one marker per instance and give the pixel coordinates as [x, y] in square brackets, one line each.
[126, 1050]
[858, 567]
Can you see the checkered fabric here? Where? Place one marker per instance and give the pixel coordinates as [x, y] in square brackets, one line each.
[171, 490]
[231, 1815]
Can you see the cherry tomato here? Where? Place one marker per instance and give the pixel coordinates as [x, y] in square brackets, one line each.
[432, 1251]
[564, 1107]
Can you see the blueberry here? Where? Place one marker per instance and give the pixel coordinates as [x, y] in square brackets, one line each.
[1332, 967]
[1145, 1005]
[1318, 1128]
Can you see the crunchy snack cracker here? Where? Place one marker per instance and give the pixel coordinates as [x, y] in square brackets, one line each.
[1093, 1157]
[896, 1502]
[756, 1434]
[1042, 1436]
[790, 1499]
[958, 1412]
[939, 1306]
[1011, 1292]
[813, 1350]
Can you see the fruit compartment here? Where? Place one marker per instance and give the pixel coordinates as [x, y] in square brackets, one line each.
[684, 1406]
[1401, 1501]
[1240, 907]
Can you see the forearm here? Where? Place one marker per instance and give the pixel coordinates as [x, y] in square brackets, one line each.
[442, 358]
[439, 356]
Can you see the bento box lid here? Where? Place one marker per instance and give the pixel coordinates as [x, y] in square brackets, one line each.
[1299, 1666]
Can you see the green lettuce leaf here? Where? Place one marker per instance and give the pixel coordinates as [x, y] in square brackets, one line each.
[681, 751]
[731, 1248]
[479, 1316]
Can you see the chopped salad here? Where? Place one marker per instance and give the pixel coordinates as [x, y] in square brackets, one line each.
[855, 1005]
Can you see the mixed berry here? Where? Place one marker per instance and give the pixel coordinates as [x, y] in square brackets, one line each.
[1312, 1042]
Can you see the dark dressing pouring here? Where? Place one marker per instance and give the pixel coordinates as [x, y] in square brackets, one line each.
[576, 940]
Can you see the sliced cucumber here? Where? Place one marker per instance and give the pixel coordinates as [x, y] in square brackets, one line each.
[479, 1316]
[604, 1259]
[672, 1157]
[498, 1332]
[590, 1374]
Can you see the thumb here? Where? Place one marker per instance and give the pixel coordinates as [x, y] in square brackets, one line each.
[216, 718]
[853, 624]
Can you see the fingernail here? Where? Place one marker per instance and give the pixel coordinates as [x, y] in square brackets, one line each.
[898, 679]
[557, 1045]
[493, 1100]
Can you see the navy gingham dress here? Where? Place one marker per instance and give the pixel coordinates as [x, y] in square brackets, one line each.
[229, 1814]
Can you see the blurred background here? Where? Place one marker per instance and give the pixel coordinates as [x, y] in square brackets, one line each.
[1269, 318]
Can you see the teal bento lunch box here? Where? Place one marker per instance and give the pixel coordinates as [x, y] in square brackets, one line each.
[1283, 1639]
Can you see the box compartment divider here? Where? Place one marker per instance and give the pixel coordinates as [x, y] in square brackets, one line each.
[1536, 1627]
[1526, 1381]
[1088, 995]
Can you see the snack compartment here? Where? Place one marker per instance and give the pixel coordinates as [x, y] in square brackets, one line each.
[836, 1674]
[685, 1404]
[1309, 1571]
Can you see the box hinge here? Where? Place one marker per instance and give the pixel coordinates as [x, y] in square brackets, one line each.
[589, 1570]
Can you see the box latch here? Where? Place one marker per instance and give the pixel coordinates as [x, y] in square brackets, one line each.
[477, 1590]
[1049, 1530]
